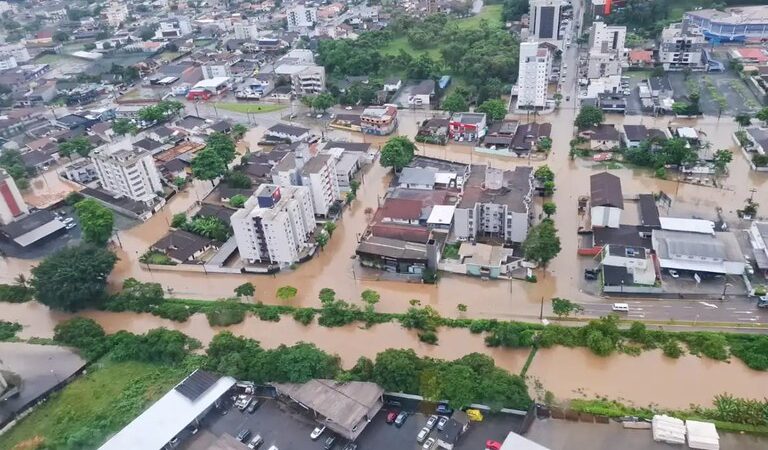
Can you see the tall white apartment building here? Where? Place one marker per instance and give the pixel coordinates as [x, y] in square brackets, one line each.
[533, 76]
[18, 51]
[544, 19]
[301, 17]
[8, 62]
[115, 14]
[12, 205]
[129, 172]
[682, 47]
[275, 225]
[246, 31]
[319, 175]
[607, 54]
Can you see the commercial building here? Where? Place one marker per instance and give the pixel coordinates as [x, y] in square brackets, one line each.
[300, 17]
[379, 120]
[627, 266]
[173, 28]
[128, 172]
[534, 67]
[606, 200]
[183, 406]
[32, 228]
[697, 252]
[275, 225]
[8, 62]
[299, 67]
[12, 205]
[758, 239]
[545, 17]
[495, 204]
[742, 23]
[346, 408]
[467, 126]
[288, 133]
[246, 31]
[682, 47]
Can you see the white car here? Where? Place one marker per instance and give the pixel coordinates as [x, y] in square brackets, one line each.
[348, 108]
[673, 273]
[317, 432]
[67, 220]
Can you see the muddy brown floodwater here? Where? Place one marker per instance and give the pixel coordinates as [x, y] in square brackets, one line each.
[567, 372]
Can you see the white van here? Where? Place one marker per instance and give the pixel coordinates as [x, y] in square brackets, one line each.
[620, 307]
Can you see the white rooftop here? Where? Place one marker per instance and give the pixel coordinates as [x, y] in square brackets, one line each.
[692, 225]
[162, 421]
[211, 83]
[687, 133]
[441, 214]
[516, 442]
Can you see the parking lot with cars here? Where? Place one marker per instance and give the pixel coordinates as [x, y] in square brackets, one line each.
[276, 426]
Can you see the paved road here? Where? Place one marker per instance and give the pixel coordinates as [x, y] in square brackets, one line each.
[736, 310]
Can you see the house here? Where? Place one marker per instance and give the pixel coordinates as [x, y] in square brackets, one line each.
[287, 133]
[606, 200]
[379, 120]
[603, 137]
[626, 267]
[392, 84]
[192, 124]
[150, 145]
[611, 102]
[402, 211]
[182, 246]
[352, 122]
[434, 131]
[466, 126]
[421, 94]
[634, 135]
[527, 137]
[398, 255]
[640, 58]
[456, 426]
[486, 261]
[82, 171]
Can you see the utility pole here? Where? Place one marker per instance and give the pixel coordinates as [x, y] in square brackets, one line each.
[541, 310]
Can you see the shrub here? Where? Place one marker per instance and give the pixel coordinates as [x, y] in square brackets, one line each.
[268, 314]
[8, 330]
[83, 334]
[712, 345]
[173, 311]
[304, 315]
[672, 349]
[430, 337]
[73, 197]
[14, 293]
[753, 350]
[224, 313]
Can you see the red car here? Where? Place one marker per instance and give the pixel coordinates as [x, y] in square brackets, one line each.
[391, 416]
[492, 445]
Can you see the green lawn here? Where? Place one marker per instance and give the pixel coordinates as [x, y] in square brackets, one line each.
[249, 107]
[490, 13]
[394, 46]
[93, 407]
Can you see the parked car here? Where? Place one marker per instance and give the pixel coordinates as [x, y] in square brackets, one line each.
[317, 432]
[67, 220]
[253, 406]
[70, 226]
[256, 442]
[350, 446]
[330, 442]
[431, 422]
[492, 445]
[441, 423]
[444, 409]
[422, 435]
[428, 445]
[243, 434]
[673, 273]
[348, 108]
[391, 416]
[401, 418]
[590, 274]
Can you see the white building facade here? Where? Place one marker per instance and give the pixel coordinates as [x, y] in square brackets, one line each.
[544, 20]
[129, 172]
[301, 17]
[115, 14]
[18, 51]
[275, 225]
[533, 76]
[682, 47]
[246, 31]
[12, 205]
[319, 175]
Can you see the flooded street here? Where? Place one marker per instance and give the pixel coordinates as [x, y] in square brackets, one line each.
[567, 372]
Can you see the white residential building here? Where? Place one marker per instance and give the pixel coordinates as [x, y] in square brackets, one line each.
[18, 51]
[173, 28]
[275, 225]
[115, 14]
[533, 76]
[682, 47]
[544, 19]
[319, 175]
[12, 205]
[8, 62]
[127, 171]
[246, 31]
[217, 70]
[301, 17]
[607, 54]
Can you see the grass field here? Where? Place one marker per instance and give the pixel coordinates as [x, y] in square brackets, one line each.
[93, 407]
[491, 13]
[246, 108]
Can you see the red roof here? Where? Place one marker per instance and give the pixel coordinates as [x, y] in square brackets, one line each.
[754, 54]
[645, 56]
[410, 233]
[401, 208]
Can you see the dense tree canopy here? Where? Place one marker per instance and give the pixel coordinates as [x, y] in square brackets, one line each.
[589, 116]
[76, 146]
[208, 165]
[495, 109]
[397, 152]
[96, 221]
[542, 243]
[73, 278]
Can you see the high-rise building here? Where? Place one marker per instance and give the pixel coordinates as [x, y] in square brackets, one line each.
[129, 172]
[246, 31]
[12, 205]
[116, 13]
[275, 225]
[544, 20]
[533, 76]
[301, 17]
[317, 173]
[607, 54]
[682, 47]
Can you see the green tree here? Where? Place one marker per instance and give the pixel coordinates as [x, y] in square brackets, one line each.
[326, 295]
[544, 173]
[223, 145]
[73, 278]
[179, 220]
[721, 160]
[96, 221]
[513, 10]
[83, 334]
[564, 308]
[79, 145]
[323, 101]
[322, 238]
[238, 131]
[370, 297]
[495, 108]
[124, 126]
[329, 227]
[549, 208]
[544, 144]
[397, 152]
[245, 290]
[136, 296]
[238, 201]
[60, 36]
[286, 293]
[238, 180]
[208, 165]
[589, 116]
[542, 243]
[744, 120]
[146, 34]
[397, 370]
[455, 102]
[458, 385]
